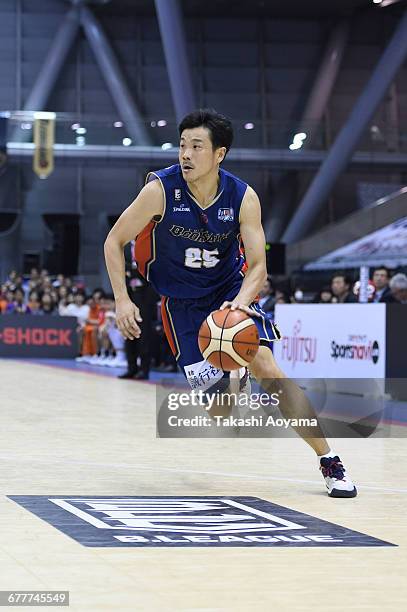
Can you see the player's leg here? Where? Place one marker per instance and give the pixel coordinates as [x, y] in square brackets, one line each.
[293, 402]
[295, 405]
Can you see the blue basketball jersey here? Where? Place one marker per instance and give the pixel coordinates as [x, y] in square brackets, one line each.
[192, 251]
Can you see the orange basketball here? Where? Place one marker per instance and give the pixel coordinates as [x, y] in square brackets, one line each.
[228, 339]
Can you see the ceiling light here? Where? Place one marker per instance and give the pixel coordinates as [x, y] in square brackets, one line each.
[81, 130]
[126, 142]
[26, 126]
[118, 124]
[249, 126]
[161, 123]
[298, 141]
[80, 141]
[75, 126]
[153, 123]
[166, 145]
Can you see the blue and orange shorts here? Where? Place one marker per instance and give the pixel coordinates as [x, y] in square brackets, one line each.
[182, 319]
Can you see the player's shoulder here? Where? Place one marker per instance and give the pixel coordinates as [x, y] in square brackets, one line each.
[168, 172]
[250, 207]
[232, 179]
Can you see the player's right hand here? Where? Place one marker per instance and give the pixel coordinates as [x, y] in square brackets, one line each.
[127, 317]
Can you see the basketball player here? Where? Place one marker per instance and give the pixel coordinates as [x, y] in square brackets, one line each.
[188, 220]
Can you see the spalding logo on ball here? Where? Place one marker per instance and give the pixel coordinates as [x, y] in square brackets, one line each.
[228, 339]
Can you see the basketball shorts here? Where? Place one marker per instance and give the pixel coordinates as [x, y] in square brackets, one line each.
[182, 319]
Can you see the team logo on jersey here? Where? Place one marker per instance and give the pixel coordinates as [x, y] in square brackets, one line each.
[177, 195]
[181, 209]
[226, 214]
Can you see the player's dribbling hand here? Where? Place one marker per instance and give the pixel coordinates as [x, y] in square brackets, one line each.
[236, 306]
[127, 317]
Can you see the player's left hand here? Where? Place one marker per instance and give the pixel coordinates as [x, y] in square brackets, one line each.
[237, 306]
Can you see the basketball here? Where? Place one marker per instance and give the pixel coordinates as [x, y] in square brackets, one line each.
[228, 339]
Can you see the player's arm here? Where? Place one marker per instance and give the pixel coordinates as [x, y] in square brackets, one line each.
[252, 234]
[148, 204]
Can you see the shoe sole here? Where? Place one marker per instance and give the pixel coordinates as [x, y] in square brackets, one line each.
[340, 493]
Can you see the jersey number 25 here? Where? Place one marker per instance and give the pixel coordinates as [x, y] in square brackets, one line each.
[198, 258]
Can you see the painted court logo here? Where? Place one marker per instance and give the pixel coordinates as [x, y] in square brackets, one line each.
[187, 521]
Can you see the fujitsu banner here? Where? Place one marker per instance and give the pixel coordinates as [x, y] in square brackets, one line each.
[44, 136]
[38, 336]
[332, 340]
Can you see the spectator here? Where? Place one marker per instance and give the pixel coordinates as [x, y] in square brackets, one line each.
[324, 296]
[6, 297]
[17, 306]
[59, 281]
[381, 279]
[80, 310]
[340, 286]
[34, 303]
[90, 330]
[47, 305]
[34, 275]
[62, 293]
[283, 298]
[68, 284]
[398, 287]
[266, 296]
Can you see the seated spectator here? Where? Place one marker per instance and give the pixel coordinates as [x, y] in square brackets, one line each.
[398, 287]
[341, 289]
[17, 306]
[80, 310]
[90, 330]
[283, 298]
[34, 302]
[381, 279]
[62, 292]
[34, 275]
[47, 305]
[63, 304]
[324, 296]
[6, 297]
[59, 281]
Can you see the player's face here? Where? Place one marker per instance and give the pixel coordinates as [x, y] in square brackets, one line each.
[197, 156]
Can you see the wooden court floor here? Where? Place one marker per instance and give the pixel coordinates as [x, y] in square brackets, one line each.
[71, 433]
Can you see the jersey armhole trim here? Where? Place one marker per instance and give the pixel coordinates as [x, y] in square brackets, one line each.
[162, 187]
[241, 203]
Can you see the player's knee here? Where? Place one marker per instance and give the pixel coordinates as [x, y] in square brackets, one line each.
[264, 365]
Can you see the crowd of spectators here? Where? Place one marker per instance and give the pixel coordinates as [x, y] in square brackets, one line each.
[383, 287]
[99, 342]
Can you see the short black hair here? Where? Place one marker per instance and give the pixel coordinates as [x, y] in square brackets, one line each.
[346, 278]
[383, 268]
[220, 127]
